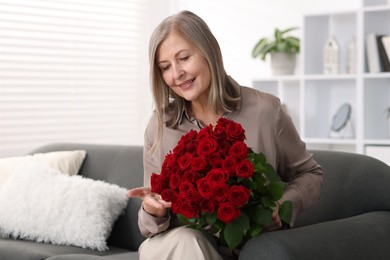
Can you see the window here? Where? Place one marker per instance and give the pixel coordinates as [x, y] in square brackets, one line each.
[73, 71]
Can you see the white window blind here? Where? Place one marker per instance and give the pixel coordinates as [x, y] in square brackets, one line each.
[72, 71]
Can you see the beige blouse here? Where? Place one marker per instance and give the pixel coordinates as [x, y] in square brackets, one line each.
[268, 129]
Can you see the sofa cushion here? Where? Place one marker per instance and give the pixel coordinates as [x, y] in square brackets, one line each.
[42, 204]
[116, 256]
[361, 237]
[118, 164]
[67, 162]
[11, 249]
[353, 184]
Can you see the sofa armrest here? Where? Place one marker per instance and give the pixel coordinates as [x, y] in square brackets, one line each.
[365, 236]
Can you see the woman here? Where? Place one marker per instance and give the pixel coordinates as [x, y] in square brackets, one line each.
[191, 90]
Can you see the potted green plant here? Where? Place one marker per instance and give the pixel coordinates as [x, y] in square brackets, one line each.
[282, 49]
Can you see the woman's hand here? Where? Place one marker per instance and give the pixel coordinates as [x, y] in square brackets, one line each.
[276, 223]
[152, 202]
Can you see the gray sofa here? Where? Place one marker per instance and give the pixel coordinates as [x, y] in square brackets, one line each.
[351, 221]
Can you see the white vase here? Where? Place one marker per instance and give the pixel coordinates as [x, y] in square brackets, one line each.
[351, 56]
[331, 56]
[283, 63]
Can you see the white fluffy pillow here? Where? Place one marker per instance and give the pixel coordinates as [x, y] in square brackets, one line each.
[67, 162]
[42, 204]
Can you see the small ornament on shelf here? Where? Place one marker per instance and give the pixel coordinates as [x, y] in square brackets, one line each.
[342, 126]
[331, 56]
[351, 55]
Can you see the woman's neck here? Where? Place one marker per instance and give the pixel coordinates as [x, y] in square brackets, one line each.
[204, 114]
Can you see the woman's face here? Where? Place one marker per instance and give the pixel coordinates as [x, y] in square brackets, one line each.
[184, 69]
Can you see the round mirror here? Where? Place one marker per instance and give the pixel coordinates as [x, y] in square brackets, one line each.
[341, 117]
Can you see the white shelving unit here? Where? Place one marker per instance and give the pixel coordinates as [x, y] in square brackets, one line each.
[312, 97]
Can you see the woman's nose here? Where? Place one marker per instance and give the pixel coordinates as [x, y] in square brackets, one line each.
[178, 71]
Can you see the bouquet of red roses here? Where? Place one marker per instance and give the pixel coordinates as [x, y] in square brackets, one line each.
[215, 182]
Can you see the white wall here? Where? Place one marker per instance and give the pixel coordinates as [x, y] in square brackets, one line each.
[236, 24]
[239, 24]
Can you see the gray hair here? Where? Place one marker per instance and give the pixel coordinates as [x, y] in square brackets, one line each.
[223, 95]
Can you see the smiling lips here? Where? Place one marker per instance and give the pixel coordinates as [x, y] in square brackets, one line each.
[186, 84]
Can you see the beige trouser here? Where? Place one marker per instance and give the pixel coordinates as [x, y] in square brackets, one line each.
[178, 244]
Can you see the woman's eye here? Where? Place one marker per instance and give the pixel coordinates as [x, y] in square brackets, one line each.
[184, 58]
[165, 68]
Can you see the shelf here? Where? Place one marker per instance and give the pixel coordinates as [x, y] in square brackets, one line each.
[382, 75]
[312, 98]
[376, 8]
[330, 77]
[375, 3]
[335, 141]
[379, 142]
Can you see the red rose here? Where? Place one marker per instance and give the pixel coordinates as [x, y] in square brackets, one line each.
[205, 132]
[217, 176]
[235, 131]
[184, 161]
[169, 195]
[204, 188]
[191, 176]
[188, 210]
[168, 171]
[175, 206]
[186, 189]
[229, 165]
[207, 205]
[219, 132]
[190, 136]
[220, 191]
[174, 181]
[239, 150]
[215, 160]
[188, 193]
[179, 148]
[158, 183]
[239, 195]
[190, 147]
[207, 146]
[199, 163]
[227, 212]
[223, 122]
[223, 147]
[169, 161]
[244, 169]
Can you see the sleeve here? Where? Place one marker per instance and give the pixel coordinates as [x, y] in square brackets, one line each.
[297, 167]
[148, 224]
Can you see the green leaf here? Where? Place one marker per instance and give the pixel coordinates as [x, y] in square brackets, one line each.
[267, 202]
[233, 234]
[249, 183]
[260, 159]
[260, 180]
[262, 216]
[276, 189]
[285, 211]
[270, 173]
[183, 220]
[211, 218]
[260, 47]
[280, 42]
[289, 30]
[255, 230]
[244, 221]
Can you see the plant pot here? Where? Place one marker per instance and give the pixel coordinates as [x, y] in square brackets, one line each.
[282, 63]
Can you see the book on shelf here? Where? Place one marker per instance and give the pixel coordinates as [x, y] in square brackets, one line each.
[372, 52]
[386, 45]
[378, 53]
[383, 57]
